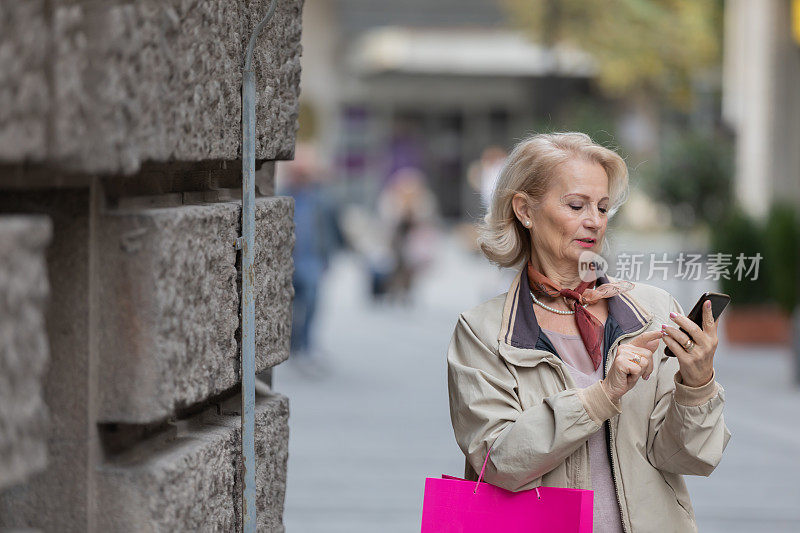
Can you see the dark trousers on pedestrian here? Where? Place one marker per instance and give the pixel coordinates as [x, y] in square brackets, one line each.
[303, 312]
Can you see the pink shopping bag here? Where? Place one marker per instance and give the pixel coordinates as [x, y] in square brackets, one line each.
[453, 504]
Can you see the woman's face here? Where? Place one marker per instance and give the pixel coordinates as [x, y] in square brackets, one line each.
[575, 207]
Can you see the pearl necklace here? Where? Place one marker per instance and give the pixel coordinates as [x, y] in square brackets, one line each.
[560, 312]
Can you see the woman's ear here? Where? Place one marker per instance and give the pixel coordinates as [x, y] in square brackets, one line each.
[521, 206]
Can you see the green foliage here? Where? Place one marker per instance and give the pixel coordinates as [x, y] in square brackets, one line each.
[584, 115]
[307, 129]
[639, 45]
[738, 233]
[778, 242]
[694, 178]
[782, 258]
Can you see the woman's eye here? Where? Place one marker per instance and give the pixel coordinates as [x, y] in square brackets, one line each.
[577, 207]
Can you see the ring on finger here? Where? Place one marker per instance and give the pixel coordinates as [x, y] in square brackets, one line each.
[688, 345]
[637, 359]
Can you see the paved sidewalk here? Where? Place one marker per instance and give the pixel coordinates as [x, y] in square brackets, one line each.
[365, 435]
[755, 486]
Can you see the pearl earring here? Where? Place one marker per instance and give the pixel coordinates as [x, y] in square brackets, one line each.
[527, 223]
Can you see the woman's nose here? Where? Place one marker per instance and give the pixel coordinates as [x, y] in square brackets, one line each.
[592, 219]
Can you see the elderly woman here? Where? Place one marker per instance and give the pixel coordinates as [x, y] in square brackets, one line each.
[546, 376]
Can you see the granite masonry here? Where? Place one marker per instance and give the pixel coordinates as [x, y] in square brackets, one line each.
[23, 346]
[120, 200]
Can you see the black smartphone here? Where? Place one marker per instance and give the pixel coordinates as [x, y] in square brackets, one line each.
[718, 304]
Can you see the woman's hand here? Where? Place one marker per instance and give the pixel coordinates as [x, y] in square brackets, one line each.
[697, 365]
[625, 372]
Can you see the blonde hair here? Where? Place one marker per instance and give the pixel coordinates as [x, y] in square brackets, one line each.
[529, 169]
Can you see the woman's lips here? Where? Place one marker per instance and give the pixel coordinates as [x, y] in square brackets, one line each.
[585, 244]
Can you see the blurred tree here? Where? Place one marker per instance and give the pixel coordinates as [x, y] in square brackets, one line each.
[597, 121]
[777, 239]
[585, 115]
[737, 233]
[694, 177]
[782, 257]
[307, 122]
[658, 47]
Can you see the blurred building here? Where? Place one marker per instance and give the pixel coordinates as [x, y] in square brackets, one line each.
[761, 101]
[428, 85]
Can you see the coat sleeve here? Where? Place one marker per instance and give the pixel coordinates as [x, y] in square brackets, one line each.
[687, 432]
[486, 412]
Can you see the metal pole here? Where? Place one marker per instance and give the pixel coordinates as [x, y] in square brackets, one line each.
[247, 244]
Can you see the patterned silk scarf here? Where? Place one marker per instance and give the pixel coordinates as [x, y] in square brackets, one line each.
[591, 330]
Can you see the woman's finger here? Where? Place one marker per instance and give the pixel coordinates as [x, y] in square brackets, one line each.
[676, 334]
[709, 324]
[676, 348]
[693, 329]
[633, 368]
[649, 369]
[639, 359]
[648, 339]
[623, 364]
[631, 350]
[646, 363]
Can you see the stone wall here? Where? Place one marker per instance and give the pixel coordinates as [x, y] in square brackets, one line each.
[61, 492]
[119, 206]
[189, 480]
[104, 86]
[169, 279]
[23, 346]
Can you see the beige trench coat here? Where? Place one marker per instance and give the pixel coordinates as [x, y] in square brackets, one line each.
[509, 391]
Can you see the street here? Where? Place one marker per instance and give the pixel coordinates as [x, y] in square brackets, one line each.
[368, 430]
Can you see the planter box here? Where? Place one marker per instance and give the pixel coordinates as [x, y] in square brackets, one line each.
[757, 324]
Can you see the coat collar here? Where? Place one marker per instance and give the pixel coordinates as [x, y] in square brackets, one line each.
[520, 328]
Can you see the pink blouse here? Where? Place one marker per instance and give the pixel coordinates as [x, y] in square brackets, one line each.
[607, 517]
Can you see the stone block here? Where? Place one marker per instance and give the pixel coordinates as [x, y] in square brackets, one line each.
[273, 273]
[169, 321]
[191, 482]
[24, 350]
[24, 95]
[55, 499]
[170, 309]
[148, 80]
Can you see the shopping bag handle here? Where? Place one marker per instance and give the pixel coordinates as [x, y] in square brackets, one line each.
[483, 468]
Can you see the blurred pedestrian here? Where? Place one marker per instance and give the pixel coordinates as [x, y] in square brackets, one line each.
[482, 176]
[407, 208]
[483, 173]
[317, 237]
